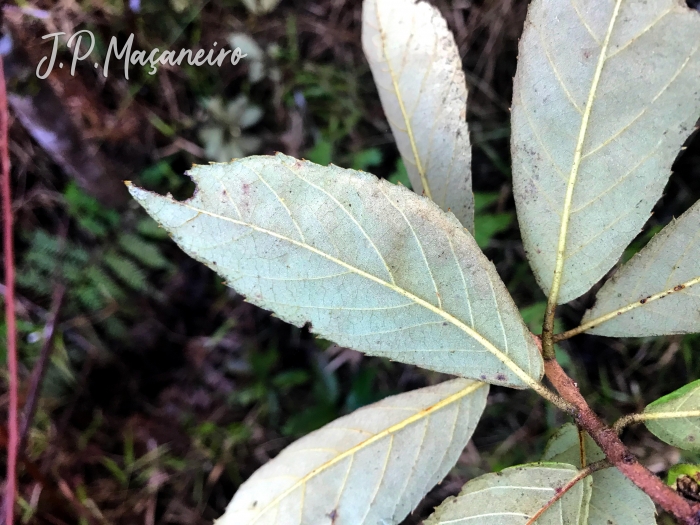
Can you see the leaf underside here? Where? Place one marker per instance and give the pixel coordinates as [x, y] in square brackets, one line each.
[605, 94]
[615, 500]
[681, 432]
[372, 466]
[669, 263]
[418, 72]
[372, 266]
[514, 495]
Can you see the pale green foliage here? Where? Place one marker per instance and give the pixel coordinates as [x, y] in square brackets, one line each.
[678, 416]
[615, 500]
[667, 265]
[605, 95]
[418, 73]
[397, 277]
[372, 466]
[604, 119]
[512, 496]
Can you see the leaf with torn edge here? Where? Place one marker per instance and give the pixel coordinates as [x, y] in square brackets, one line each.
[615, 500]
[658, 291]
[514, 495]
[371, 265]
[605, 95]
[372, 466]
[675, 418]
[418, 72]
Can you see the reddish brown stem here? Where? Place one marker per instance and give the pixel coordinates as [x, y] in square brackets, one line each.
[616, 452]
[590, 469]
[13, 437]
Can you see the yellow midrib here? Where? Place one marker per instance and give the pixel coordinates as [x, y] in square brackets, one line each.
[576, 164]
[638, 304]
[402, 107]
[522, 375]
[646, 416]
[377, 437]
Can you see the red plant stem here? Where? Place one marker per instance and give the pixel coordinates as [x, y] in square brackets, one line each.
[590, 469]
[13, 434]
[617, 453]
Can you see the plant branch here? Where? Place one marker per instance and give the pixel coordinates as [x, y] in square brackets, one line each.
[548, 331]
[584, 473]
[631, 419]
[616, 452]
[603, 318]
[13, 433]
[40, 366]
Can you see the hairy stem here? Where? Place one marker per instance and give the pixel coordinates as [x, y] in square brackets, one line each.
[631, 419]
[584, 473]
[616, 452]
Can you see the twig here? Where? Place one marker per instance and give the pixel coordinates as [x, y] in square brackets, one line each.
[631, 419]
[590, 469]
[616, 452]
[40, 366]
[13, 434]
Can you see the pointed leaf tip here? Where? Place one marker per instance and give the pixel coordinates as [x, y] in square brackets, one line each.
[403, 40]
[398, 278]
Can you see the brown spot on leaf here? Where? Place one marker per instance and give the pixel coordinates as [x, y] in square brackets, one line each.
[678, 288]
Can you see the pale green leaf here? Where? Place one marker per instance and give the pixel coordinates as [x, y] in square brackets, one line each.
[514, 495]
[615, 500]
[371, 265]
[418, 72]
[372, 466]
[605, 94]
[675, 418]
[658, 291]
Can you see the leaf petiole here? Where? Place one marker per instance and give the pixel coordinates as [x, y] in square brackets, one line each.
[631, 419]
[584, 473]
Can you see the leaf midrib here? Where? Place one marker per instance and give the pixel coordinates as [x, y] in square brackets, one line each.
[377, 437]
[601, 319]
[402, 107]
[500, 355]
[576, 163]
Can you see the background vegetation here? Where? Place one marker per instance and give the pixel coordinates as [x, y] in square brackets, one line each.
[164, 389]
